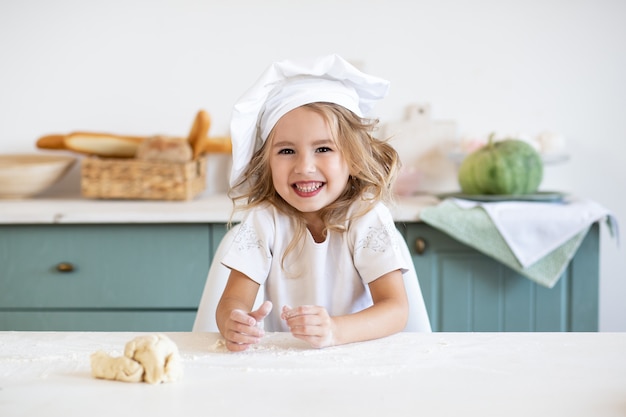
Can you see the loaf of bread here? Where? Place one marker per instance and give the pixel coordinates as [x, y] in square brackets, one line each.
[159, 147]
[216, 144]
[92, 143]
[199, 132]
[164, 148]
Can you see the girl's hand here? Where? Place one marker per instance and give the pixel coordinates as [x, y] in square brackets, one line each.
[242, 328]
[312, 324]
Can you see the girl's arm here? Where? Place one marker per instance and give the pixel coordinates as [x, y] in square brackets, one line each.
[237, 324]
[387, 316]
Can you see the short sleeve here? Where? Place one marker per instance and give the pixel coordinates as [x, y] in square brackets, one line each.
[376, 244]
[250, 252]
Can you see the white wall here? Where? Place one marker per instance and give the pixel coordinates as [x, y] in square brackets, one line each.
[146, 66]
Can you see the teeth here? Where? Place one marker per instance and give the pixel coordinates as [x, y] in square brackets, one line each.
[308, 188]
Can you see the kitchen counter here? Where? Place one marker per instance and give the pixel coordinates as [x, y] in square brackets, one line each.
[215, 208]
[70, 263]
[436, 374]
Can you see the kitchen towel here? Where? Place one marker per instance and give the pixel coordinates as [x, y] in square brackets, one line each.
[535, 239]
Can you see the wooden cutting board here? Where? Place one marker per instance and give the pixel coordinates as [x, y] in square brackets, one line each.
[424, 146]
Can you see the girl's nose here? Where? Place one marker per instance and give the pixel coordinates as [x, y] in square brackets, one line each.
[305, 164]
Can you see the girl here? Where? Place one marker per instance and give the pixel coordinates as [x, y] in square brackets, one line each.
[316, 234]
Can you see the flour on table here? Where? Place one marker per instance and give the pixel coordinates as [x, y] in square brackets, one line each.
[150, 358]
[218, 346]
[282, 353]
[275, 343]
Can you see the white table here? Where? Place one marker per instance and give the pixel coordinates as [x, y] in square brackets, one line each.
[438, 374]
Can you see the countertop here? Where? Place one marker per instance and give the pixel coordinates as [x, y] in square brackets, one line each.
[216, 208]
[408, 374]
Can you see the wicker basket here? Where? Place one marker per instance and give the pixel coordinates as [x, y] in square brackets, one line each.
[113, 178]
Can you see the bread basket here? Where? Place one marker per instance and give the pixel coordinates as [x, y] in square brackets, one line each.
[122, 178]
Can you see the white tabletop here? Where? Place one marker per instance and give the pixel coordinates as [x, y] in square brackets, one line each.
[215, 208]
[437, 374]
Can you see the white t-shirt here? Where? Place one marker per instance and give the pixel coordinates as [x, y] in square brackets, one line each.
[334, 274]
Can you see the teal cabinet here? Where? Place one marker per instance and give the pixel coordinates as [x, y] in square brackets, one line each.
[465, 290]
[139, 277]
[150, 277]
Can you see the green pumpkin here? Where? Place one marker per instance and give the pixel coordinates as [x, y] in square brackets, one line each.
[509, 167]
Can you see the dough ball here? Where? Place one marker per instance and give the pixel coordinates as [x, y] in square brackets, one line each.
[120, 368]
[159, 357]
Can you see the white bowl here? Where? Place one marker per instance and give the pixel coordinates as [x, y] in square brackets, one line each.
[25, 175]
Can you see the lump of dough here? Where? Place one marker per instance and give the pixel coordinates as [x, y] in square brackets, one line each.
[159, 357]
[120, 368]
[150, 358]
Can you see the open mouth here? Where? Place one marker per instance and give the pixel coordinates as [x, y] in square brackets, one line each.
[307, 187]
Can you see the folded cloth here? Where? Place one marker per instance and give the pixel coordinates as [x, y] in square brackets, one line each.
[538, 240]
[534, 229]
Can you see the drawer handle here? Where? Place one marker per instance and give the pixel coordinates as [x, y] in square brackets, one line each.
[420, 245]
[65, 267]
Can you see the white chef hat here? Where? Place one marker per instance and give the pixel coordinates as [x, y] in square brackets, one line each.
[286, 85]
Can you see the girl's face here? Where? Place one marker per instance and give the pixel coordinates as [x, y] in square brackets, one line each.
[308, 170]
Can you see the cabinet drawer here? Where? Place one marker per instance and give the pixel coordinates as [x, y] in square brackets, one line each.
[113, 321]
[114, 266]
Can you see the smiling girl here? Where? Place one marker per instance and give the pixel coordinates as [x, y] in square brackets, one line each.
[317, 233]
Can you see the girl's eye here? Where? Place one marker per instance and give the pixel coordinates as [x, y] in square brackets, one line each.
[285, 152]
[323, 149]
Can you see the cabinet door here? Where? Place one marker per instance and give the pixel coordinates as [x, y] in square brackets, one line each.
[121, 277]
[465, 290]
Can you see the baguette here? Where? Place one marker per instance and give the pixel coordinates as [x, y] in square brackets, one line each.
[91, 143]
[198, 133]
[51, 142]
[200, 141]
[121, 146]
[216, 144]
